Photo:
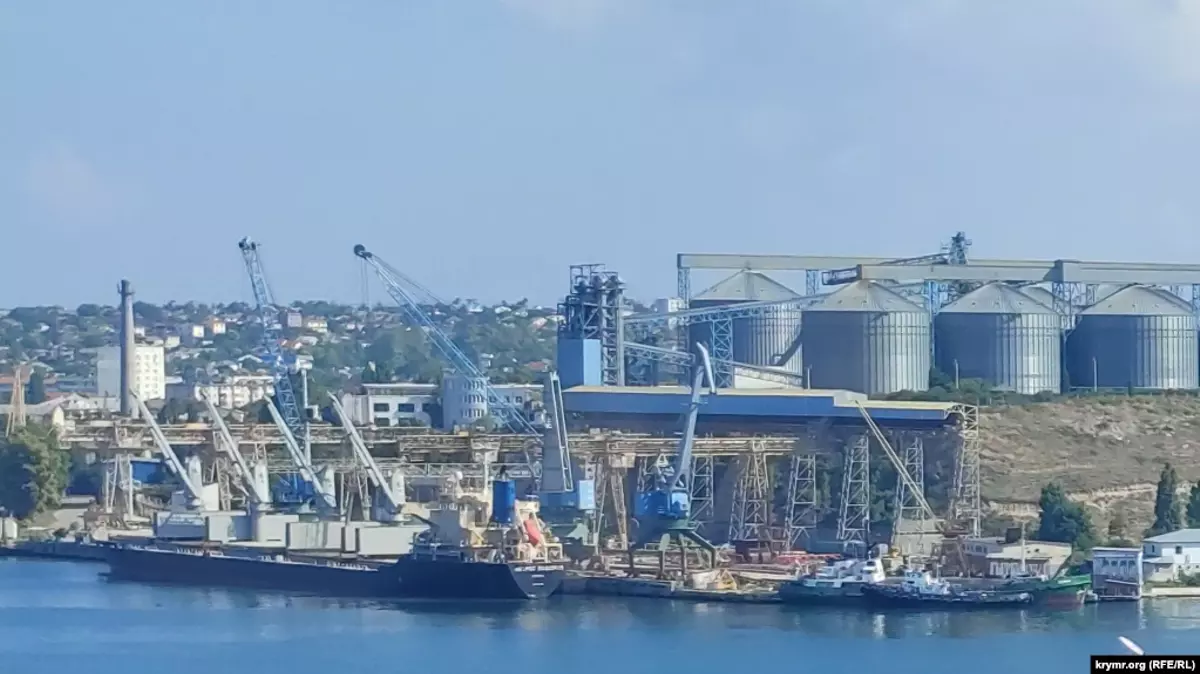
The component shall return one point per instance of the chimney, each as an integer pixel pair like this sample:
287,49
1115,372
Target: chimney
128,349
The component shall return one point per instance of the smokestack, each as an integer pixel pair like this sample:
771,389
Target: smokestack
128,349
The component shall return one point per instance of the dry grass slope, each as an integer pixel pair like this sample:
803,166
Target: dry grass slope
1108,445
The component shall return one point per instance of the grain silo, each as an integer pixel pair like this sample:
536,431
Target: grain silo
1041,294
770,339
1137,337
867,338
1003,336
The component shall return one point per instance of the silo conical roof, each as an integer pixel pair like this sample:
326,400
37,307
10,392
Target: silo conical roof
867,296
997,298
747,286
1138,300
1043,295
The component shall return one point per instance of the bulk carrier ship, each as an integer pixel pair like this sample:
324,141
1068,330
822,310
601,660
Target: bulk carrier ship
472,550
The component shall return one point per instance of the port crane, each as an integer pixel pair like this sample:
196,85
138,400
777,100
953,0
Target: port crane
193,488
325,499
664,514
258,493
391,490
268,313
404,292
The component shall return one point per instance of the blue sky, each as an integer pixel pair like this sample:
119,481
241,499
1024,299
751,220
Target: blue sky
482,146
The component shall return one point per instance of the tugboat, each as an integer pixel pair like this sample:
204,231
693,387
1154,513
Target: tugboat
838,583
920,590
508,555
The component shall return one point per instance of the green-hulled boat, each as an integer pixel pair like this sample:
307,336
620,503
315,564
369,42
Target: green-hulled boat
1056,592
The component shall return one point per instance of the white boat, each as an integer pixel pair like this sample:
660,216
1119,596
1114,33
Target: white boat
834,583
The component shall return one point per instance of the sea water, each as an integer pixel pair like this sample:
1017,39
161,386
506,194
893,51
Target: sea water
66,617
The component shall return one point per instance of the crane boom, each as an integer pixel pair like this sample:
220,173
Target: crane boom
683,457
326,501
394,282
225,439
364,455
168,452
264,299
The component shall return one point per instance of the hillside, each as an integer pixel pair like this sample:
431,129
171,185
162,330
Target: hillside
1106,451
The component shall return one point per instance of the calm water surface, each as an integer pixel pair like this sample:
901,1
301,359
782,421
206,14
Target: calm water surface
64,617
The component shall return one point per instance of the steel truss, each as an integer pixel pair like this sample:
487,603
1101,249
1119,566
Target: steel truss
854,520
752,498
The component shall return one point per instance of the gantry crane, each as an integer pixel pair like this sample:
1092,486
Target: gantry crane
258,495
391,490
664,514
268,313
193,490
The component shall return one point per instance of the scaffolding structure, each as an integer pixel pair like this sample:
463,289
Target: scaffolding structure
854,520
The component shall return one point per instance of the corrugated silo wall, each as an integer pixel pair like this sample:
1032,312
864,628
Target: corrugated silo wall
870,352
771,340
1012,352
1143,352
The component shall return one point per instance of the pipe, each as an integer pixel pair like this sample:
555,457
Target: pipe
128,350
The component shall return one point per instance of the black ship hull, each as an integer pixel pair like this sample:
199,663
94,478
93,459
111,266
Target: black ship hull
406,578
453,579
169,567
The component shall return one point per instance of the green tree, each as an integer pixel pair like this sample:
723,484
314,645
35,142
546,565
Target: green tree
1193,507
33,472
1063,520
35,390
1118,531
1167,513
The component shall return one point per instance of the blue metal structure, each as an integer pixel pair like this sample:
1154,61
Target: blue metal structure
293,488
403,290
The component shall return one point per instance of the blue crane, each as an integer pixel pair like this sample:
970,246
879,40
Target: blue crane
664,514
285,393
403,290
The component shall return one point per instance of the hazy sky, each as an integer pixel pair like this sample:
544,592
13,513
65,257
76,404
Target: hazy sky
482,146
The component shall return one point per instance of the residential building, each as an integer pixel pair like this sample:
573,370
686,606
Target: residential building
1117,573
391,404
1168,556
149,372
215,326
293,319
316,324
230,392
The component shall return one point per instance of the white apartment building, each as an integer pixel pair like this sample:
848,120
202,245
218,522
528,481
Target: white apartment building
149,372
465,399
391,404
232,392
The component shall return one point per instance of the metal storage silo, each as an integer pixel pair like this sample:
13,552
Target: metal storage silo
1003,336
1137,337
771,339
867,338
1041,294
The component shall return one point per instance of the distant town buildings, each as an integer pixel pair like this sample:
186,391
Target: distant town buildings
463,403
149,372
1169,556
391,404
229,392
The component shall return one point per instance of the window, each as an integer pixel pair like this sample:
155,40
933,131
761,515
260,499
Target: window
382,421
1179,549
406,407
381,407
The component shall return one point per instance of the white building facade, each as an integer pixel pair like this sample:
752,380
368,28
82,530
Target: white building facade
149,372
1169,556
232,392
391,404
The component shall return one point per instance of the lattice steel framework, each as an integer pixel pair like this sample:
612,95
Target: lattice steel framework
752,497
801,500
908,506
966,507
854,519
702,489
